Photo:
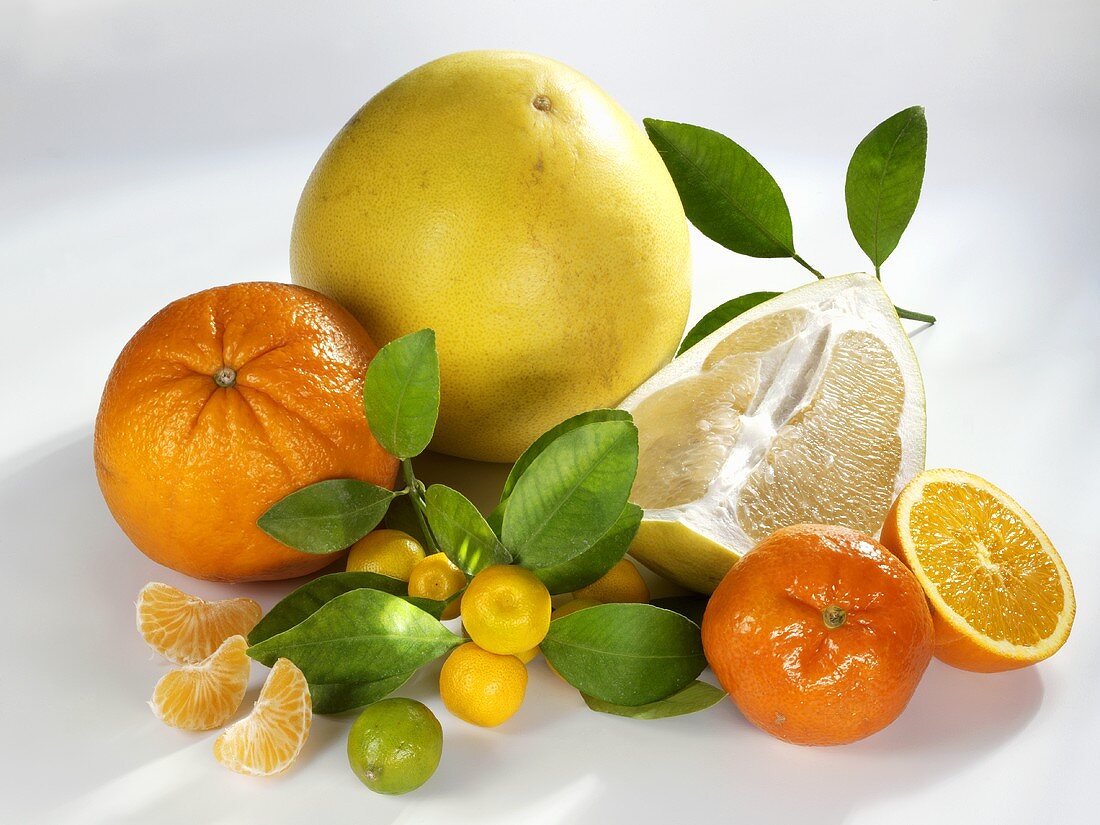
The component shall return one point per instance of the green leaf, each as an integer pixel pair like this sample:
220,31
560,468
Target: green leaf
598,559
360,636
571,494
308,599
496,518
401,393
726,193
695,697
691,607
327,516
462,532
337,697
626,654
548,437
721,315
884,182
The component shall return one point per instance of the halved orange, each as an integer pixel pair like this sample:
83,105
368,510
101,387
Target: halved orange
186,629
1001,597
270,738
204,695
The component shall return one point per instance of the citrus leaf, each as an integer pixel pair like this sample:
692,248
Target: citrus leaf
884,181
462,532
571,493
695,697
626,654
328,516
690,607
308,599
721,315
726,193
401,393
337,697
360,636
544,440
596,560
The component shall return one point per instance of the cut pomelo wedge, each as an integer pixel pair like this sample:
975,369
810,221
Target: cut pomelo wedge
1001,597
185,629
808,408
270,738
204,695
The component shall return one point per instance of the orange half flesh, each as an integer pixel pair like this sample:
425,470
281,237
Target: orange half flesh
1000,594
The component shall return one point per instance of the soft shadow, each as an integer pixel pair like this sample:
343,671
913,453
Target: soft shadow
479,481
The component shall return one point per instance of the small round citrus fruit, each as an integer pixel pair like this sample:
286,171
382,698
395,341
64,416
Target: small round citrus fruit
506,609
1000,594
481,687
481,192
436,577
386,552
222,404
395,745
819,634
622,583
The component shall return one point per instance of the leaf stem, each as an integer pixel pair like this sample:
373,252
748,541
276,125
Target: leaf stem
800,260
915,316
878,272
417,499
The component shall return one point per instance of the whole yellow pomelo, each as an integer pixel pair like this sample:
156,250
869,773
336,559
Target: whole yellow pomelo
508,203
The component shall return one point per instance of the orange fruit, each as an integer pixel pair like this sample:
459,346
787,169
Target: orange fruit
186,629
222,404
819,634
204,695
482,687
270,738
1001,597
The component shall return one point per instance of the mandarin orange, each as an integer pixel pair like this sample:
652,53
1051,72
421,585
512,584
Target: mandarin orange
819,634
222,404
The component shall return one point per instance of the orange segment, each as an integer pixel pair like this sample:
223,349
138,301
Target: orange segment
185,629
270,738
204,695
1000,594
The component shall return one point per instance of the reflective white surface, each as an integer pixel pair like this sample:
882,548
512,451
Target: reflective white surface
153,149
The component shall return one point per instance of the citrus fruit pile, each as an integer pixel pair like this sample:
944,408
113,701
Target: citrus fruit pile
521,249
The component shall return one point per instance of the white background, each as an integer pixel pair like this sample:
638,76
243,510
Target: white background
152,149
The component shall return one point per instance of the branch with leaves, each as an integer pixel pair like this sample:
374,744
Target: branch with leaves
733,200
563,514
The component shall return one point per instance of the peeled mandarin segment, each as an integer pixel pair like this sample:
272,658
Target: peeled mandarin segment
835,461
205,695
270,738
186,629
991,573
